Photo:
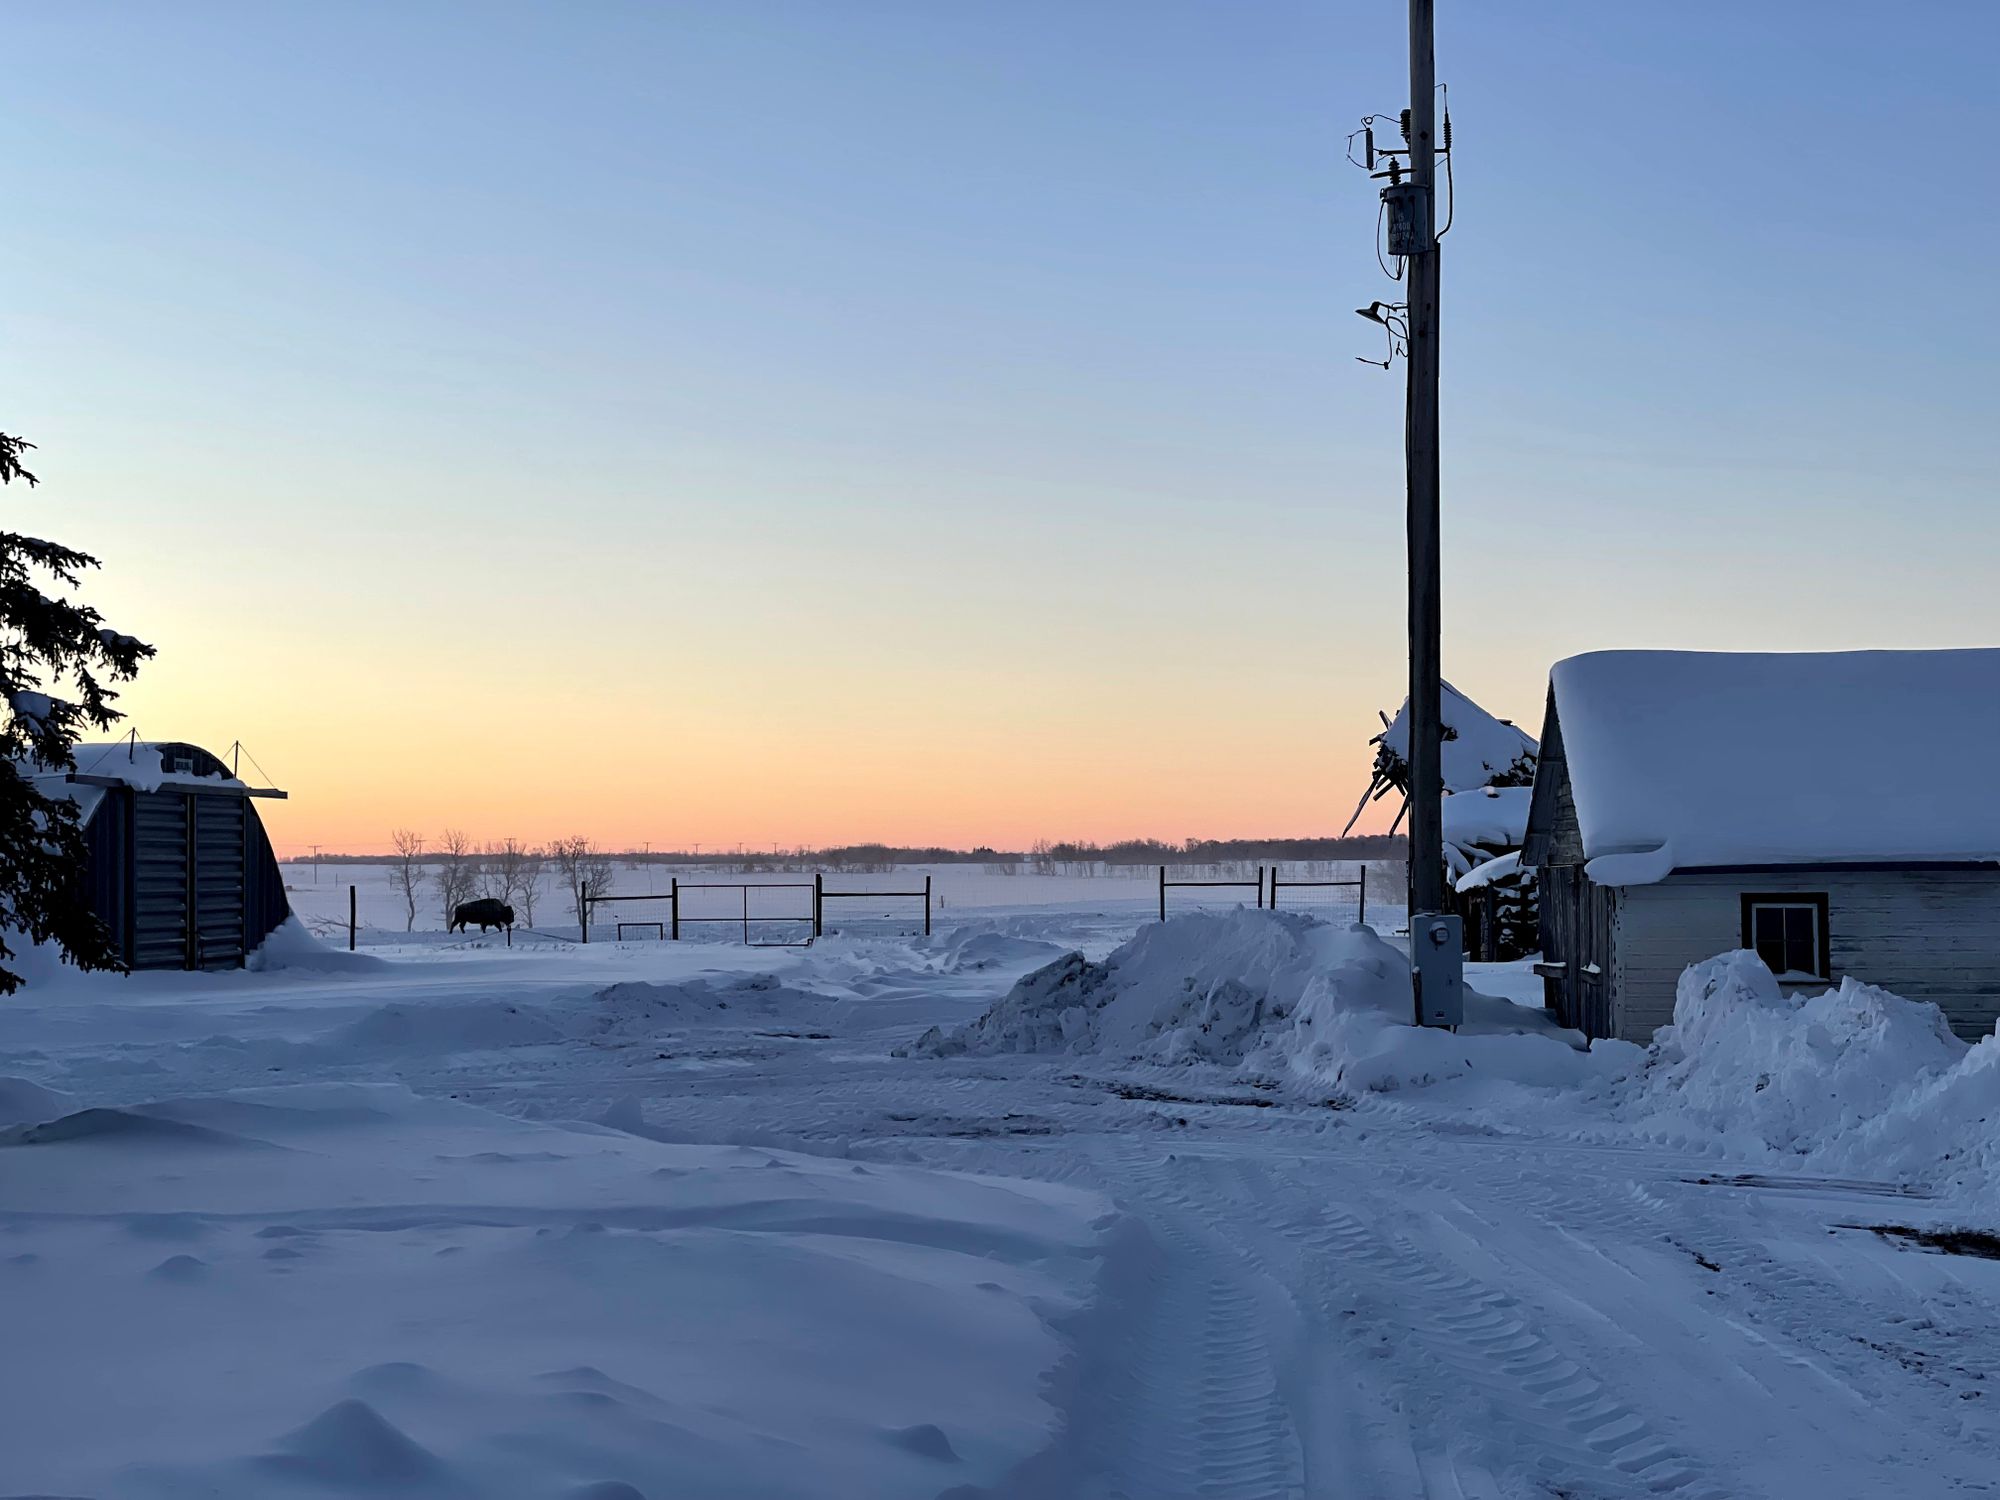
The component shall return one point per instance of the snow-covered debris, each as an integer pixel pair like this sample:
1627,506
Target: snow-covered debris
1482,823
1855,1081
1880,755
1478,748
1275,993
1501,867
1495,816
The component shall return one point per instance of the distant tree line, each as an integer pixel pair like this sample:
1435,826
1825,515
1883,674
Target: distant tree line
1044,856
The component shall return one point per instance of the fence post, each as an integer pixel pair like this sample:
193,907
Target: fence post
583,916
927,906
1274,887
819,903
1361,904
1260,887
674,896
1163,893
350,919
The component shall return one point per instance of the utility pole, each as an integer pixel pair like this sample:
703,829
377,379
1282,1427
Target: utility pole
315,850
1436,945
1420,441
1409,210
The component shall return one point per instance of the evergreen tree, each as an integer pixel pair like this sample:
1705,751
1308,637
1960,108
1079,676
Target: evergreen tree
56,659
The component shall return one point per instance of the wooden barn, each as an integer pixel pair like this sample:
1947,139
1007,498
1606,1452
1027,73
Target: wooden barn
180,868
1838,813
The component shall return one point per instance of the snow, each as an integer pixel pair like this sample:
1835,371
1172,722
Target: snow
1194,1209
1493,816
419,1297
1681,759
1325,1008
1478,748
1500,867
140,765
1853,1080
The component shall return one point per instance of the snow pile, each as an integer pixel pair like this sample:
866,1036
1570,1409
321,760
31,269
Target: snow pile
292,946
1856,1081
25,1102
1273,993
977,946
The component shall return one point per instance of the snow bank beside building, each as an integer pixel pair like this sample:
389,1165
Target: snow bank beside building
1855,1081
1273,993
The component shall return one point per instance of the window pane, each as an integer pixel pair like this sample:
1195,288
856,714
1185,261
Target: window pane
1801,949
1767,936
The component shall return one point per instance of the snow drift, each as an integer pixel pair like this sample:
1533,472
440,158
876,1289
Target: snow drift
1273,993
1855,1081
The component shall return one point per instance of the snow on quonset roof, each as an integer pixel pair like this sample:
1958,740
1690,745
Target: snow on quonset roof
1691,758
1477,747
146,765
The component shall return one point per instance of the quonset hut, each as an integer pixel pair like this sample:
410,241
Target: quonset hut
180,868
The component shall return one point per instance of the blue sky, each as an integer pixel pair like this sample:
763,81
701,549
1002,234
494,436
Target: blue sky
963,395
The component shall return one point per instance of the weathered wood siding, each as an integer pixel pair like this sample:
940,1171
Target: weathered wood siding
1927,934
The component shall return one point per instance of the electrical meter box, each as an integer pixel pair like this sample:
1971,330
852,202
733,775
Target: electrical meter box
1437,968
1408,210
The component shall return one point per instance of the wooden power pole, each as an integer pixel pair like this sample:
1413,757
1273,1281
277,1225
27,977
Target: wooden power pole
1437,957
1420,442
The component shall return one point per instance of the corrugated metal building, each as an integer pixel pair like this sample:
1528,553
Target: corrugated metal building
180,867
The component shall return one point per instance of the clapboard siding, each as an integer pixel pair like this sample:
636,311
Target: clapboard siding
1926,934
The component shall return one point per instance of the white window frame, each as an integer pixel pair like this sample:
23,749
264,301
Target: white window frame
1807,901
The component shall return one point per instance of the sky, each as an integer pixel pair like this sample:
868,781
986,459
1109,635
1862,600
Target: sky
803,421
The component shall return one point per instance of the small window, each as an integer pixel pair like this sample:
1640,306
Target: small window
1789,933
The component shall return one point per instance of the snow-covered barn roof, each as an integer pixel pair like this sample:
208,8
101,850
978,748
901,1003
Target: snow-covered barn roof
1680,759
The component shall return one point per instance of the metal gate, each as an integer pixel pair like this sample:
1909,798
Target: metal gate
188,881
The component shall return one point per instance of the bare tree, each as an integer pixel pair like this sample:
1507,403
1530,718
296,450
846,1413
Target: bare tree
500,870
585,870
528,888
408,871
458,870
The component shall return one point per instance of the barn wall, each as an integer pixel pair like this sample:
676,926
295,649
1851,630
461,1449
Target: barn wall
1926,934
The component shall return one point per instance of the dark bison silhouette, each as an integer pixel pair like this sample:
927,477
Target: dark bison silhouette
486,912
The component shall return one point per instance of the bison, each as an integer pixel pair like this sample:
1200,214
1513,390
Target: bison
486,911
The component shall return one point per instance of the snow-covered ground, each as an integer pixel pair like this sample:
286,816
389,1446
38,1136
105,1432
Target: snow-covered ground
673,1220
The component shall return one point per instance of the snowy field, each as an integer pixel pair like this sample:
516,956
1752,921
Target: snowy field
1189,1215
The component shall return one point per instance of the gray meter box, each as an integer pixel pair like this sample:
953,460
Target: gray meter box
1437,968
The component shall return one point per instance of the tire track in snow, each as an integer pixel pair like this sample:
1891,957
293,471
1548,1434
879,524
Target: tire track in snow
1547,1424
1176,1396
